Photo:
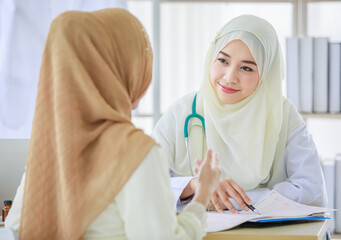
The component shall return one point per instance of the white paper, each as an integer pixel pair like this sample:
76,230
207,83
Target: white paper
273,205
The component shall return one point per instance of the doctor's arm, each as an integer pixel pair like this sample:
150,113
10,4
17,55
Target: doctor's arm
304,181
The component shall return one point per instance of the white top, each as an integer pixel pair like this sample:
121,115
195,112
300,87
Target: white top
143,209
302,179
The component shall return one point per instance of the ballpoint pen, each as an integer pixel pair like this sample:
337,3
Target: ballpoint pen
252,208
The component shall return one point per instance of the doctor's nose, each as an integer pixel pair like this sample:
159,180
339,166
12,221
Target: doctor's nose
230,76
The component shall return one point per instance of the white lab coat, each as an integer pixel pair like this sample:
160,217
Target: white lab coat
301,177
143,209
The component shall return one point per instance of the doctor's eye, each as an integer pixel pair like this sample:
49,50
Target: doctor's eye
222,60
247,69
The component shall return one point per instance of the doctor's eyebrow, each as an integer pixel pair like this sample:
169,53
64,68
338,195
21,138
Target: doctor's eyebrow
244,61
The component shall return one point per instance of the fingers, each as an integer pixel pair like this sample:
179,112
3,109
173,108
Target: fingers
208,158
216,162
235,195
216,203
226,201
228,186
210,206
224,190
207,161
198,161
241,192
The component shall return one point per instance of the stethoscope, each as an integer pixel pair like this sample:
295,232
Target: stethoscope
192,115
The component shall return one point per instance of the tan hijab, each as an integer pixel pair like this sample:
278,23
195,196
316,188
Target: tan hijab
83,147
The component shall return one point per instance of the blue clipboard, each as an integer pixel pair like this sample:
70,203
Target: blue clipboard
307,218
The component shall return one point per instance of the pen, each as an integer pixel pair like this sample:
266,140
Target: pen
252,208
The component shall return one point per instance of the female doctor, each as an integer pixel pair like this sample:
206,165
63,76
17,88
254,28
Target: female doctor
240,112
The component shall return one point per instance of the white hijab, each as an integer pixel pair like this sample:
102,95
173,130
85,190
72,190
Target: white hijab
246,133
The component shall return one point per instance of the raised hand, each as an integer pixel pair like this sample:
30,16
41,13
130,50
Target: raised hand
208,178
227,189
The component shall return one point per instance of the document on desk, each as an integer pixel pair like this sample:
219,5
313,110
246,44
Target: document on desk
274,205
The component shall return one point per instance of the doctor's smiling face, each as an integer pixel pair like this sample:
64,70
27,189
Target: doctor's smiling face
234,73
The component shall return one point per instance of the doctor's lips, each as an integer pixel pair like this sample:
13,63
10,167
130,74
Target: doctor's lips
227,89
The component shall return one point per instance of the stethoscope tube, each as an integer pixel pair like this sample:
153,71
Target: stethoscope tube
192,115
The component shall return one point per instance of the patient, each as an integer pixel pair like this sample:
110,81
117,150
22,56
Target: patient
90,173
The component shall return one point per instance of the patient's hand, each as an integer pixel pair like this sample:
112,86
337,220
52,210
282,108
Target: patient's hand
208,178
227,189
189,190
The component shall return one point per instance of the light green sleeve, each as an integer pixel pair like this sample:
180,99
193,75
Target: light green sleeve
146,204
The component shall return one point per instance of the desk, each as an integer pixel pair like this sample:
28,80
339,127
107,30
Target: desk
302,231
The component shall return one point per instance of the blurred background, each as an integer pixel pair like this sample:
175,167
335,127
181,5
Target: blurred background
180,31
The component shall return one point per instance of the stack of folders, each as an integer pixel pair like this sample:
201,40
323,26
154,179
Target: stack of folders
273,208
332,174
314,74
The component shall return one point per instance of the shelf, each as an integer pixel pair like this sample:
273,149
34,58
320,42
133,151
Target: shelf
142,115
304,115
321,115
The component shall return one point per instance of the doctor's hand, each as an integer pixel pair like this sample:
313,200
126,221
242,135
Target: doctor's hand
208,178
229,189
